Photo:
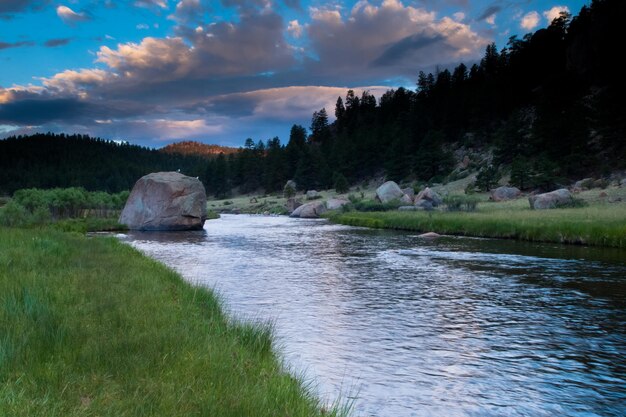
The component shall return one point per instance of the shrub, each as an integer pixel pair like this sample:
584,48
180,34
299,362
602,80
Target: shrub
460,203
487,178
372,205
14,214
340,183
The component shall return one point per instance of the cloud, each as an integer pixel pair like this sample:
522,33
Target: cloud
295,29
406,39
53,43
188,11
16,6
530,20
489,12
70,17
555,12
142,26
151,3
7,45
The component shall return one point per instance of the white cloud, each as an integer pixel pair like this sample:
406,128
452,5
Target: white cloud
530,20
555,12
69,16
491,19
295,29
459,16
142,26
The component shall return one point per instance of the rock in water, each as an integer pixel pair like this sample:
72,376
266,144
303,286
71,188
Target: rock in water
504,193
165,201
550,200
389,191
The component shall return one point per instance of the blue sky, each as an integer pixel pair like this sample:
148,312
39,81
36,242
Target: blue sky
159,71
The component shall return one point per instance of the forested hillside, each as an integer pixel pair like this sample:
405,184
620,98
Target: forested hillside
549,107
48,161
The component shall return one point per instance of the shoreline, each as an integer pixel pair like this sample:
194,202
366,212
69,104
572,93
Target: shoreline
93,326
563,226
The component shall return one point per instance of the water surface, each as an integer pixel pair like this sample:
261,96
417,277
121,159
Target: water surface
413,327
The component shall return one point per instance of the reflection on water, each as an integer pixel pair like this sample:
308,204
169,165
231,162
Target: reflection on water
452,327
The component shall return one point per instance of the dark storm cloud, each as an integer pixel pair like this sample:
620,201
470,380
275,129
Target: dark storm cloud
7,45
53,43
407,47
16,6
489,11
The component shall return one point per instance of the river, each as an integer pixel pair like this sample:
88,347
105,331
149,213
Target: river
404,326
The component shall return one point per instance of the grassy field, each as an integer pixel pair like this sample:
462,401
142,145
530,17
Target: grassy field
599,223
90,327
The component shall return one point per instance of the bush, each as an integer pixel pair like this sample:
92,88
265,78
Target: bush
371,205
487,178
14,215
460,203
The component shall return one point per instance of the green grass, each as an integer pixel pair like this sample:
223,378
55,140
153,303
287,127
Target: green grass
90,327
601,225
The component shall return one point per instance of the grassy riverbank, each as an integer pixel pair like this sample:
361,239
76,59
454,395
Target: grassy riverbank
595,225
90,327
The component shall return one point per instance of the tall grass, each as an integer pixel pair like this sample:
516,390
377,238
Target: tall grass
597,225
90,327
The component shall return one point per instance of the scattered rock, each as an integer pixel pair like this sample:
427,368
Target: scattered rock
289,190
583,184
603,194
311,210
429,235
293,204
409,191
424,205
253,200
312,195
165,201
622,182
504,193
465,162
409,208
430,196
389,191
615,199
550,200
406,199
336,203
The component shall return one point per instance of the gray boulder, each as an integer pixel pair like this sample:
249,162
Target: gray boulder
311,210
408,208
550,200
336,203
584,184
424,205
409,191
504,193
389,191
292,204
429,235
312,195
165,201
430,196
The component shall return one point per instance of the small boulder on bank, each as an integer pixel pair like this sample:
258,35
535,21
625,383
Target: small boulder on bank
429,235
389,191
165,201
311,210
504,193
550,200
336,203
292,204
428,195
409,191
312,195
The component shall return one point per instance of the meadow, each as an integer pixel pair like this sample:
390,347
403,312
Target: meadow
91,327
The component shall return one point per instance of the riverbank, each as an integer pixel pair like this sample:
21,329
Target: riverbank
92,327
598,225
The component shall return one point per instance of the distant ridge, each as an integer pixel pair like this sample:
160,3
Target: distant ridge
192,148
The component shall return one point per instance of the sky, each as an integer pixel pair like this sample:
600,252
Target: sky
153,72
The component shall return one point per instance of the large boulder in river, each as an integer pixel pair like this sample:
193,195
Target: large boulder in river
165,201
550,200
311,210
504,193
389,191
429,195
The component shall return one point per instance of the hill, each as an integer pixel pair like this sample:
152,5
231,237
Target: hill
192,148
